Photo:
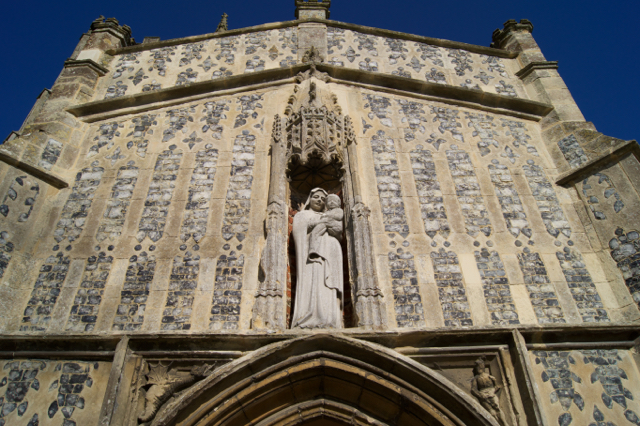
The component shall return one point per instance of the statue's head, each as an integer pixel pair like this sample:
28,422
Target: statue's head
479,368
316,200
333,202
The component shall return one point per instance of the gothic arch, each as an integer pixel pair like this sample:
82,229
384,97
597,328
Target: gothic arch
337,379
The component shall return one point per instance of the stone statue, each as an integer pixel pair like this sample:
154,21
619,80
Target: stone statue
319,285
485,387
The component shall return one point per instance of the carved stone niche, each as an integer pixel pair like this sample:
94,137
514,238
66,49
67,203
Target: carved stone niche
316,149
161,384
460,369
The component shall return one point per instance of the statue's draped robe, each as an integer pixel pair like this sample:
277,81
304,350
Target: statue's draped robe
319,284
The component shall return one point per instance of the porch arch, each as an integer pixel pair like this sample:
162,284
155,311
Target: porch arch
336,378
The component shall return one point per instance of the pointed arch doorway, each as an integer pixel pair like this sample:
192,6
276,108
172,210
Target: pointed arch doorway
324,380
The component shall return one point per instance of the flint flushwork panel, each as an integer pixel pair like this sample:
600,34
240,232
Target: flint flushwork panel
43,392
86,304
182,285
581,285
430,196
475,213
53,272
194,222
541,291
404,280
495,285
451,289
589,386
227,293
135,292
625,251
156,206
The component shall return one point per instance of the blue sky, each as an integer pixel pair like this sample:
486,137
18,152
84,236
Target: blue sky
596,43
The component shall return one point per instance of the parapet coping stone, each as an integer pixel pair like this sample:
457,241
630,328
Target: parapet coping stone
330,23
461,96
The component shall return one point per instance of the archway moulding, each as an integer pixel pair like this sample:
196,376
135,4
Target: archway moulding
334,377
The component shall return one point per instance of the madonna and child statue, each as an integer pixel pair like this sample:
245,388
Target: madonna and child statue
317,232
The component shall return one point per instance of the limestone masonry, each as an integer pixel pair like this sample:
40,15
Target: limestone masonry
148,276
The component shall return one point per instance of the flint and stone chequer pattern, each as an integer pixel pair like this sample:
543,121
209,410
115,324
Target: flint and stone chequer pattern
451,289
430,197
552,215
21,381
86,304
483,125
518,131
625,251
194,222
141,128
182,285
495,285
510,203
406,293
475,213
227,293
379,107
607,372
134,294
447,119
541,291
6,248
156,206
603,182
572,151
581,285
37,392
53,272
557,369
413,115
106,133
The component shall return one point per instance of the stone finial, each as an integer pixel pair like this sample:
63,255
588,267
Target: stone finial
499,36
112,26
223,26
312,9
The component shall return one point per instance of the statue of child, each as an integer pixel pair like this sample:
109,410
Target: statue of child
331,221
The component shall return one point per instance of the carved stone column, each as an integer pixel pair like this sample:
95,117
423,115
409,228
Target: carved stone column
268,311
369,305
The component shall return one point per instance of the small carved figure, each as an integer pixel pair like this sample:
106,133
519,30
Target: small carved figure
331,222
163,383
485,387
312,55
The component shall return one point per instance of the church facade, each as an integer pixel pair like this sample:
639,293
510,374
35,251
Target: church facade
315,222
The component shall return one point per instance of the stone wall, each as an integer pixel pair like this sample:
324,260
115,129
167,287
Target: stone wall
50,392
587,387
